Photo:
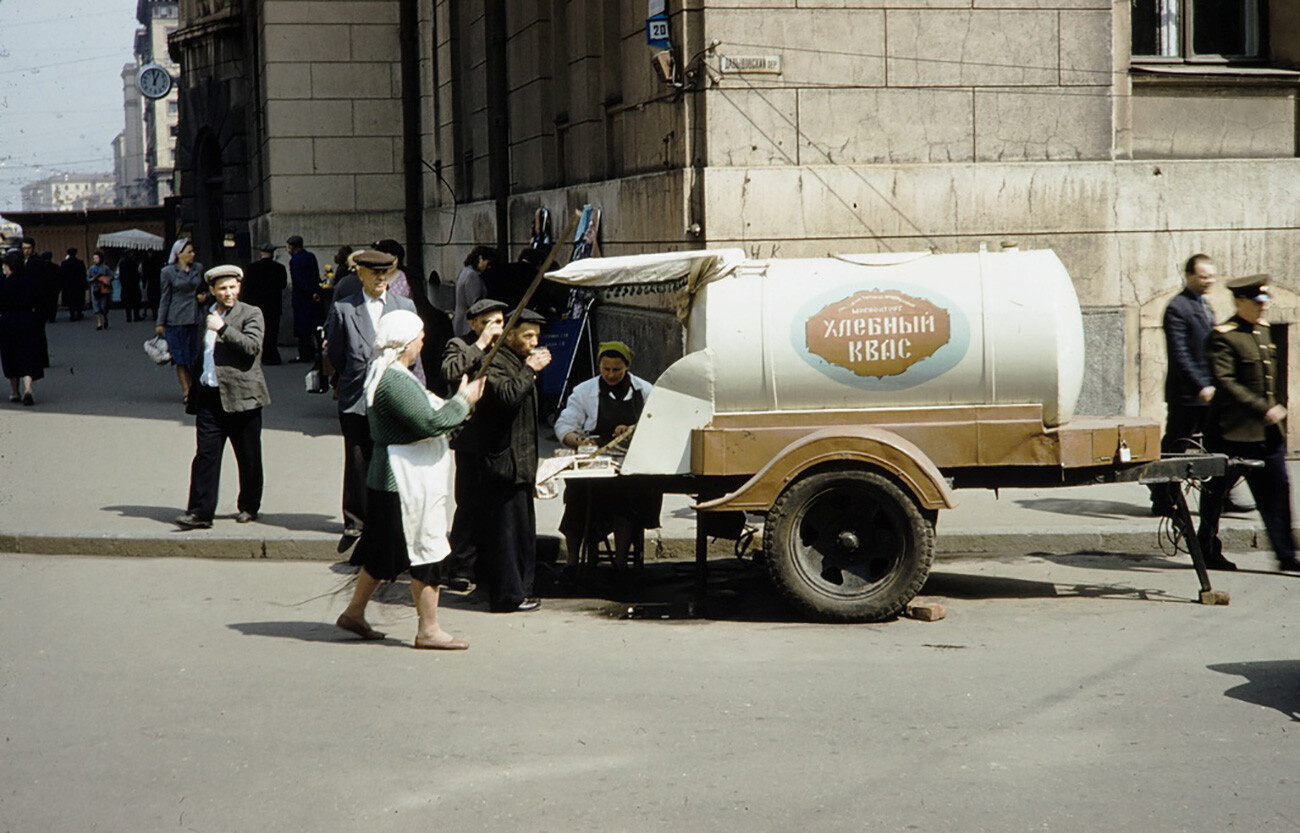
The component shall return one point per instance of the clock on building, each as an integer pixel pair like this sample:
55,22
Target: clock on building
154,81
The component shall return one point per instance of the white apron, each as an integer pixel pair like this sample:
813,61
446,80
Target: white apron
423,471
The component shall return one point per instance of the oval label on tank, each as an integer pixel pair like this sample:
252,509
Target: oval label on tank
878,333
881,339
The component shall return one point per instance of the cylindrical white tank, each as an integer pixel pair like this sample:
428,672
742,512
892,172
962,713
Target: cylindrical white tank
897,330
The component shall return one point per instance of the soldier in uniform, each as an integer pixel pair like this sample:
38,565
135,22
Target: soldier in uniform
1246,420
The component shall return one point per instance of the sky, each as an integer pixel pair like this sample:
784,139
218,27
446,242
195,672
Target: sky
60,87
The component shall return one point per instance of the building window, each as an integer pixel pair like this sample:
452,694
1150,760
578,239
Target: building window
1192,30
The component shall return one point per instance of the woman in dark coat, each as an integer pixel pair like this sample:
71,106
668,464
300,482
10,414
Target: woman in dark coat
128,277
21,329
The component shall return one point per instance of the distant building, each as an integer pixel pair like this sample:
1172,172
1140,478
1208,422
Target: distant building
70,192
144,152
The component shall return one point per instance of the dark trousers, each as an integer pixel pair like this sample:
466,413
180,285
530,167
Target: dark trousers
507,542
213,426
465,524
357,447
1183,425
1270,486
271,337
306,349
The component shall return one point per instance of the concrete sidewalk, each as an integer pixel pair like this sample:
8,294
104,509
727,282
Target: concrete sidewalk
101,465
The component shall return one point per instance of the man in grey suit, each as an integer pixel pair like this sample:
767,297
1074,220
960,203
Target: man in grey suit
349,341
227,402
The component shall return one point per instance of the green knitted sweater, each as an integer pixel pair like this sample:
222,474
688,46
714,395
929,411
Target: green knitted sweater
402,414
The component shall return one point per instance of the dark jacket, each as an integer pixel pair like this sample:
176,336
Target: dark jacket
1186,330
73,270
1243,361
263,285
238,358
461,357
350,339
503,428
308,312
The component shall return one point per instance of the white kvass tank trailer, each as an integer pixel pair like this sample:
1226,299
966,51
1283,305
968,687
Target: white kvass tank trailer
845,397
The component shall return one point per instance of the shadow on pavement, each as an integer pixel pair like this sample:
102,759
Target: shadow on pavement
299,521
959,586
1088,508
1274,684
161,514
305,632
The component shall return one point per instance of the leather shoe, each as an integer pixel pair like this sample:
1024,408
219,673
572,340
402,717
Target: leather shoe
245,517
1219,563
527,604
192,521
1289,565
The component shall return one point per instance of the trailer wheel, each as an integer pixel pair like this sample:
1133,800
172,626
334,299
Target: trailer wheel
848,546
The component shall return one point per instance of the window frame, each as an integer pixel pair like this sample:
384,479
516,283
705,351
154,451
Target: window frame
1186,25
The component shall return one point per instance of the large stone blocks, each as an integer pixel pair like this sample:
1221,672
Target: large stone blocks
1212,126
752,127
352,80
989,48
308,118
303,42
854,126
812,45
356,155
330,11
1048,124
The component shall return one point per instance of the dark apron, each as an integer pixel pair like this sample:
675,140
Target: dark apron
612,412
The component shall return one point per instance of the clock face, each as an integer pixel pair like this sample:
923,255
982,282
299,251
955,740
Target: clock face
154,81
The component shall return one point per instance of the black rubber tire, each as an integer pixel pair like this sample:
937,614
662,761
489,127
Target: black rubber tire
848,545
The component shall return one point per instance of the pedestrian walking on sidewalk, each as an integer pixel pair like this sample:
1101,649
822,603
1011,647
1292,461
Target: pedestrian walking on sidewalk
181,291
227,402
349,342
100,278
21,329
73,271
407,487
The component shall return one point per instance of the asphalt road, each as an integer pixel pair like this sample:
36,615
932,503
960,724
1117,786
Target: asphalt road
1068,693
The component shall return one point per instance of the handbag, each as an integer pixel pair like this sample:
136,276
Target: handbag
156,348
315,381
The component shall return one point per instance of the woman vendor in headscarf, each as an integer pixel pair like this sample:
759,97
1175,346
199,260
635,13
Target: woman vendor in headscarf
408,508
601,409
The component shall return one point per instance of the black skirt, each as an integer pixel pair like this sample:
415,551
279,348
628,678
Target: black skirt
627,497
382,548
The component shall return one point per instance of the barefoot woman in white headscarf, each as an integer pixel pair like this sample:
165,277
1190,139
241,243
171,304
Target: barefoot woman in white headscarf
408,508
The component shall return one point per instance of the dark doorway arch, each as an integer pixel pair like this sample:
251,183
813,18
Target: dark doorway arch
209,192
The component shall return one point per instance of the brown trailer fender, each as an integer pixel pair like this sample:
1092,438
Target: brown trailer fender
861,445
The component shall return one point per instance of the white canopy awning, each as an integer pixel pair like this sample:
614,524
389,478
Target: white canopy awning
130,239
704,264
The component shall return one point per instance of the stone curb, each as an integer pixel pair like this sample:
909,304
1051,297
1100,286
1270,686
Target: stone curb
953,544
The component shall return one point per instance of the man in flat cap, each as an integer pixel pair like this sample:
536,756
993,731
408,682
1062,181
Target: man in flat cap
500,440
463,356
1246,420
264,283
349,341
308,304
227,402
